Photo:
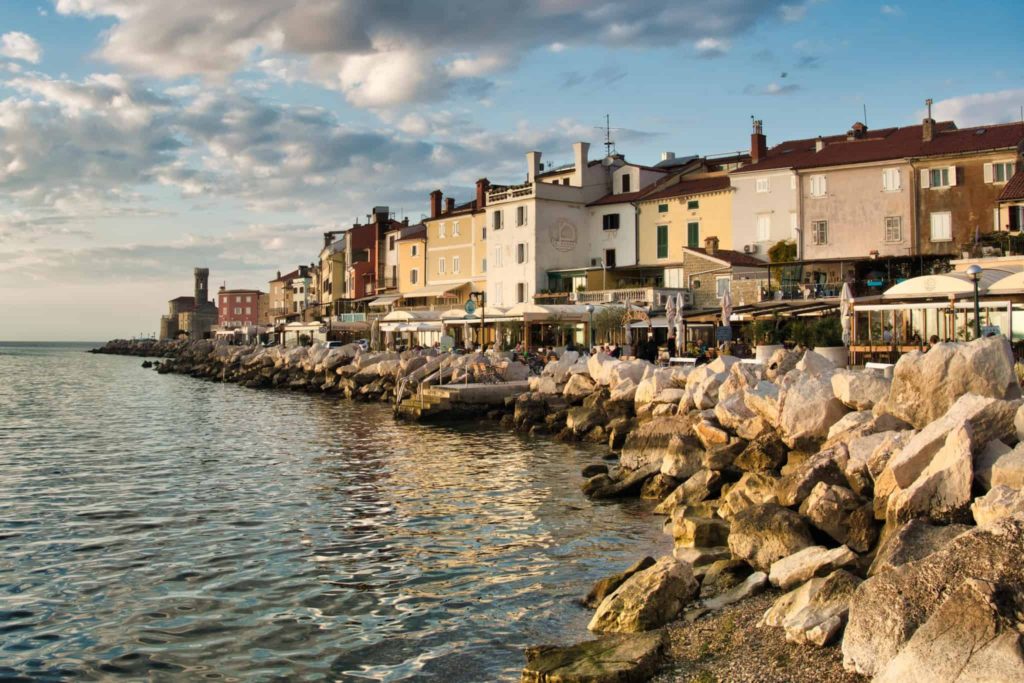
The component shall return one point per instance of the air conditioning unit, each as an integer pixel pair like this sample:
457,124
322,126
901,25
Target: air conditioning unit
594,262
749,248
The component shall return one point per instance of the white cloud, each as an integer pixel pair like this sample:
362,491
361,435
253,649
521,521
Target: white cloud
793,13
17,45
711,47
979,109
385,54
892,10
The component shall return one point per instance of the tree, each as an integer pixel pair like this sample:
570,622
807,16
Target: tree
783,251
607,321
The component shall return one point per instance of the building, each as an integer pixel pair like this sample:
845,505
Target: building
412,258
368,269
332,274
1011,199
456,249
191,316
280,296
710,272
242,308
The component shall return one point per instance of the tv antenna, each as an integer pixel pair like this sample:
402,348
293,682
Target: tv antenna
609,144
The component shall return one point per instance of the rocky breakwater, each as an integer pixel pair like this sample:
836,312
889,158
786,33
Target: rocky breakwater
886,515
347,370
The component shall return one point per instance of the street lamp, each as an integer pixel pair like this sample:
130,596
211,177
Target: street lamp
974,273
589,308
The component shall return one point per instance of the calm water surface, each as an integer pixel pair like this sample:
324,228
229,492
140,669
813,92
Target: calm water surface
162,527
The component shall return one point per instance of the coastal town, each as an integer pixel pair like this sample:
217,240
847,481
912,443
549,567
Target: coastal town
802,357
607,251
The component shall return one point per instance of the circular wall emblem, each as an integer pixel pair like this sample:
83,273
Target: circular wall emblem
563,235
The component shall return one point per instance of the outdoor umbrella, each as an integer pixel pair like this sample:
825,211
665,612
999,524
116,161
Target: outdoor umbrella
726,307
846,311
670,312
680,323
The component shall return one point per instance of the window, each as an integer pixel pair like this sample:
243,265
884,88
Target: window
455,229
441,230
238,311
520,292
391,243
819,232
238,299
440,265
625,183
938,177
999,172
764,227
662,208
891,180
520,215
496,220
521,252
497,256
610,221
693,205
483,233
609,258
763,185
1016,217
818,186
662,241
995,219
893,228
565,181
722,285
942,227
483,266
415,250
248,299
693,235
414,276
248,310
794,229
456,264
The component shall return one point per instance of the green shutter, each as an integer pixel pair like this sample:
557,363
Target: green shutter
662,241
693,235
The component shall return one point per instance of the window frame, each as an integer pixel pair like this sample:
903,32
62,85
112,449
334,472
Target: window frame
765,218
818,185
609,263
441,265
522,253
521,292
662,208
888,175
693,243
606,220
889,227
455,229
819,229
521,216
497,223
763,185
442,231
626,183
661,244
456,264
414,276
949,226
719,279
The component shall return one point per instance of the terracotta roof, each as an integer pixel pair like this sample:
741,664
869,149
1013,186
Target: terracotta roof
1015,187
415,232
184,298
287,276
618,198
687,187
733,258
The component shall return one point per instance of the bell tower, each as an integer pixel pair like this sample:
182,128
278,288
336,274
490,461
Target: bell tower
202,286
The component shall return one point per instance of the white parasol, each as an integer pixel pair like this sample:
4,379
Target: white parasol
670,312
846,311
680,332
726,307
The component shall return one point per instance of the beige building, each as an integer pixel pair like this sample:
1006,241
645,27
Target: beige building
412,259
455,251
331,275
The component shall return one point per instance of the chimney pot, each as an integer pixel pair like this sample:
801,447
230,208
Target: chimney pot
449,204
665,156
928,125
435,203
711,245
758,143
819,144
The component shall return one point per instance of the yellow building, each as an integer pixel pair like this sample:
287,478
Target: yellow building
331,285
412,259
683,214
456,250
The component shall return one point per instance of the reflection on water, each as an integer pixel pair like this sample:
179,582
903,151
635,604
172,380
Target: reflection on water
166,527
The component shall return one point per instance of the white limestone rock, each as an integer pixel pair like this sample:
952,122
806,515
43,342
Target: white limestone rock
809,410
859,390
997,504
944,488
647,600
809,563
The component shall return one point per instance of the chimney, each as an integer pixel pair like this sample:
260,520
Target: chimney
327,241
481,192
858,131
449,204
279,275
579,158
665,156
758,143
711,245
928,125
435,203
532,166
405,220
819,144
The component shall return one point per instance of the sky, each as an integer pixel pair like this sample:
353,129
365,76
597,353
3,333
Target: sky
141,138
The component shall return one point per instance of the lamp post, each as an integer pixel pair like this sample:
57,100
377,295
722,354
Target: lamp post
974,273
589,308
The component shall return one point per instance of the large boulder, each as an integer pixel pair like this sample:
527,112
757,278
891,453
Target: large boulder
683,458
808,563
780,363
606,586
998,503
815,364
972,636
763,398
733,414
815,612
582,419
614,658
889,607
545,384
984,460
841,514
925,385
705,394
578,387
764,453
809,409
628,370
1008,469
651,441
943,490
764,534
859,390
710,433
624,391
653,383
599,366
691,531
826,466
911,542
697,488
558,370
647,600
753,488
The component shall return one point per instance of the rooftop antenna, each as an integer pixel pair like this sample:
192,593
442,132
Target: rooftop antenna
609,144
865,114
928,103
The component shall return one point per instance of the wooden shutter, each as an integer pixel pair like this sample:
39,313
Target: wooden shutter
925,178
952,176
988,173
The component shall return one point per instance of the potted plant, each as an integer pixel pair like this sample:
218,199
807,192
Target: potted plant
827,337
766,338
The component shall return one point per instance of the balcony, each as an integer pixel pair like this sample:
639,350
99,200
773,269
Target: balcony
509,192
652,296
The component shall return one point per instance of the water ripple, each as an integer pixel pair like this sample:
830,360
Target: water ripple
155,526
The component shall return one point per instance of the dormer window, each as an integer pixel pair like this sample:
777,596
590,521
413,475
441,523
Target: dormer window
625,183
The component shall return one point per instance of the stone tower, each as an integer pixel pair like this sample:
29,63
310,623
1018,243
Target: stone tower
202,289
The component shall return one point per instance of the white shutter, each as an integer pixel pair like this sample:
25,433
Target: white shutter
988,173
824,186
952,176
885,180
925,178
995,219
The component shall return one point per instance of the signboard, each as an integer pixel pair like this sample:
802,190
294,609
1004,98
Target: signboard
723,333
447,343
987,330
470,307
875,283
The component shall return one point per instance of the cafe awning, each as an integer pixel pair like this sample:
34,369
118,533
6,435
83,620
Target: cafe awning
434,290
386,300
944,285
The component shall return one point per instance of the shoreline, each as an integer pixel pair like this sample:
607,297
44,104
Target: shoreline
795,477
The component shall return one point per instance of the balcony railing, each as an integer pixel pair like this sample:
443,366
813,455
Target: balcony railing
653,296
510,192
